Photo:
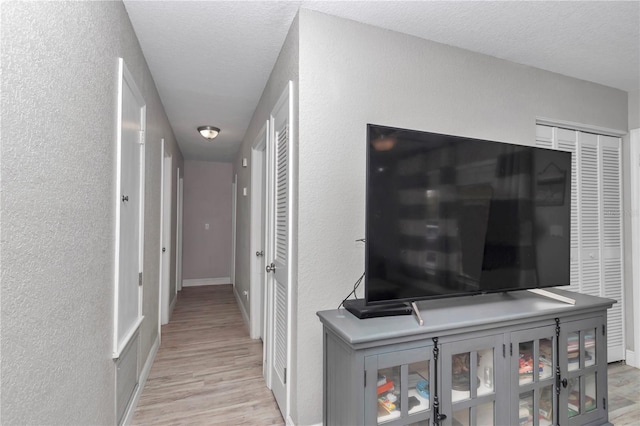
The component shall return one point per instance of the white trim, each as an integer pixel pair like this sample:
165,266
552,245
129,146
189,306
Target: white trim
196,282
179,226
293,230
258,175
289,422
161,236
634,142
144,375
572,125
234,210
243,311
631,359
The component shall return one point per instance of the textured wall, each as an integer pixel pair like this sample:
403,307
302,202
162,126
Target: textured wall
284,70
207,199
59,75
353,74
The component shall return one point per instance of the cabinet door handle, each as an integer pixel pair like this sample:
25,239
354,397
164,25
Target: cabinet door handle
564,383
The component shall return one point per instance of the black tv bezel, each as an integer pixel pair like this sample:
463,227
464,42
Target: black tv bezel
449,295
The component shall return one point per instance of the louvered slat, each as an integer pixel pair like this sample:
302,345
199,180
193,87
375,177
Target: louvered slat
280,358
282,201
589,197
611,197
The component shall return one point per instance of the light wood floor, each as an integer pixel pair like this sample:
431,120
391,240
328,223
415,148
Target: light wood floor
624,394
207,371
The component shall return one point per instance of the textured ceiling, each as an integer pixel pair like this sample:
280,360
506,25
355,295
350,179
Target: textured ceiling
211,60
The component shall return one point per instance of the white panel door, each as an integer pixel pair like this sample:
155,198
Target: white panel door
280,180
129,211
596,221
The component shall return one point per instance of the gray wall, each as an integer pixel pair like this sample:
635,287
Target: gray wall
59,75
353,74
284,70
207,200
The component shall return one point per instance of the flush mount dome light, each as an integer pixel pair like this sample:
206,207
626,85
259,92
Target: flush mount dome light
208,132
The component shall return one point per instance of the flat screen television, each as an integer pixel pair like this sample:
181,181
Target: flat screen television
452,216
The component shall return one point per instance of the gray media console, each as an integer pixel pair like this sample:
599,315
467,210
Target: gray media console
513,358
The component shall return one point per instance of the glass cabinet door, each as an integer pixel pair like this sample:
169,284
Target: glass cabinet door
471,376
398,387
532,372
581,366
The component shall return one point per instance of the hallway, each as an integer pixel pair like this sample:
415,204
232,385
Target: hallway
208,370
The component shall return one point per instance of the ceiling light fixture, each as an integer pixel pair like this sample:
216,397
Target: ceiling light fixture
208,132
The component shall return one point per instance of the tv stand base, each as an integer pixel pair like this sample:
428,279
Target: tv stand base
362,311
551,295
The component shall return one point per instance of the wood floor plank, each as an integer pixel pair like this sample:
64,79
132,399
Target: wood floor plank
207,371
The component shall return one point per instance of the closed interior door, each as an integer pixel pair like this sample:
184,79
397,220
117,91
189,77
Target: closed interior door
129,211
280,235
166,241
263,213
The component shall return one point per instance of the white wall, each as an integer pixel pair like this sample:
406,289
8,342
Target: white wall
59,85
353,74
284,70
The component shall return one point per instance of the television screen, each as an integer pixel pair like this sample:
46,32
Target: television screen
451,216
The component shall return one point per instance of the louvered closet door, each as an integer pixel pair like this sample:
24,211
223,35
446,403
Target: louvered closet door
596,223
280,123
611,223
589,189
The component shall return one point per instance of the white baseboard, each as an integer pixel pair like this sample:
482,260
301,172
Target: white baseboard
289,422
243,311
195,282
144,375
632,360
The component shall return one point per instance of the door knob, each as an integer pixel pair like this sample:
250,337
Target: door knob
564,383
271,268
164,249
125,198
260,253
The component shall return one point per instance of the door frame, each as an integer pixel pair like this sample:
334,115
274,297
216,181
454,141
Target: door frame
633,358
164,286
258,232
234,231
179,219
